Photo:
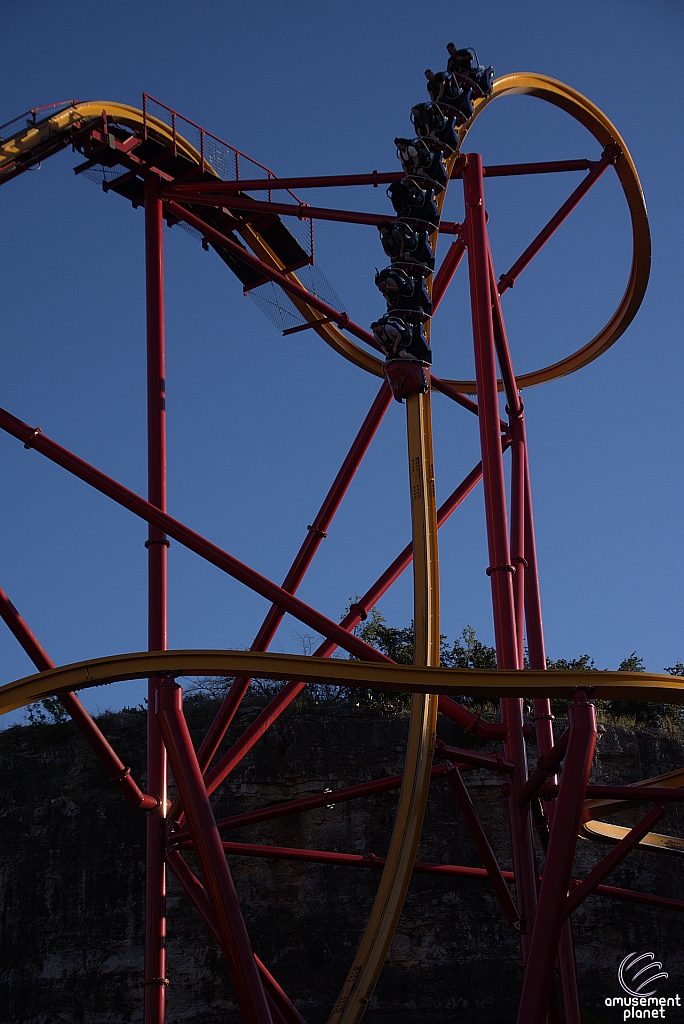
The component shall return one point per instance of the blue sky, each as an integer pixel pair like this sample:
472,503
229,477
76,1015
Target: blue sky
258,424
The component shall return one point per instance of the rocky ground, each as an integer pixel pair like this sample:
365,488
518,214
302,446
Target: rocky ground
72,873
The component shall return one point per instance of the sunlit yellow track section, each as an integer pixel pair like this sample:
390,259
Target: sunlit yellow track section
605,832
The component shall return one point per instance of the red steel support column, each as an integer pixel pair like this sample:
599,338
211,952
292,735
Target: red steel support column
472,820
517,430
500,569
207,844
543,721
155,877
538,981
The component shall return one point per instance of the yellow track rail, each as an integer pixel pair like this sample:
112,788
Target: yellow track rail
408,824
396,875
605,832
482,683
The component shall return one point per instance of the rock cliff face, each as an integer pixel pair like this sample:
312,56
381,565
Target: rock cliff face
72,874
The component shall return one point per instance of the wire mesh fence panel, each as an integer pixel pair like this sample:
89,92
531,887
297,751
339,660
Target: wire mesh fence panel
279,307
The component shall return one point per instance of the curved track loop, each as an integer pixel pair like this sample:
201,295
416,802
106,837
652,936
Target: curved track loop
596,122
539,86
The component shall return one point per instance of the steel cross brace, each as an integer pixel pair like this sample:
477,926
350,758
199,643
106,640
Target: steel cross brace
546,931
230,925
118,773
281,1007
375,178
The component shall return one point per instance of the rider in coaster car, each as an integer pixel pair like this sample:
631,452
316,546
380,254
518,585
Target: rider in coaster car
419,161
405,292
464,64
404,245
434,126
401,340
445,91
436,84
413,203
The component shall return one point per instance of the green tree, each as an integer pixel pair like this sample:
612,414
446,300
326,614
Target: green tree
47,712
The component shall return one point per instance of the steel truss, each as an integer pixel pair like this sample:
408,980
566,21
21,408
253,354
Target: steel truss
539,908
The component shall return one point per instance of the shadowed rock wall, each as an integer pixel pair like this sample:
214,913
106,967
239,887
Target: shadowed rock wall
72,873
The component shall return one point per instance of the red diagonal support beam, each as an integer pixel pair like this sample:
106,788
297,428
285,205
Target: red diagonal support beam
546,766
309,803
116,769
287,694
279,1003
448,268
492,762
508,279
317,531
492,866
334,315
452,870
230,925
33,438
616,855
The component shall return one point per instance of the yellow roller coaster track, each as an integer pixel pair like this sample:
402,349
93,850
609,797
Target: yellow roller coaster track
481,683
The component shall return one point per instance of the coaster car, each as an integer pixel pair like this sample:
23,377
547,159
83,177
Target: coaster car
421,162
399,338
457,99
407,377
414,203
407,247
404,292
465,67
